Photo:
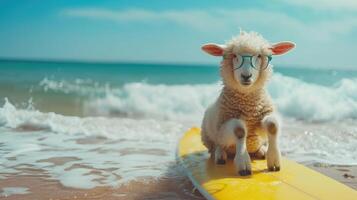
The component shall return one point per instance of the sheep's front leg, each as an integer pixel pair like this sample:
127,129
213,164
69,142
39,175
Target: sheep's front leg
220,156
271,125
234,132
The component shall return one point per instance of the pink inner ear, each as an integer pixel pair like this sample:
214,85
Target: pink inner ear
282,48
213,49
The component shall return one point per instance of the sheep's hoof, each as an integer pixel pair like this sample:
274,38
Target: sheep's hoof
274,169
221,161
245,172
220,156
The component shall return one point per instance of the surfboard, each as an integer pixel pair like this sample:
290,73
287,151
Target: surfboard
293,182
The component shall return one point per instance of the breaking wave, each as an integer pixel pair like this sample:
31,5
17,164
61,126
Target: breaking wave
294,98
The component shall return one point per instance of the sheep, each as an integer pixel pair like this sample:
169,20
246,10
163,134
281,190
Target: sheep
243,119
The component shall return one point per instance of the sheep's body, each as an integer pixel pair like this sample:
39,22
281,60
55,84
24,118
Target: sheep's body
242,119
251,108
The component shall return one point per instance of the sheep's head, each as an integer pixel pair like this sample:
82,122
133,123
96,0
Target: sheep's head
246,60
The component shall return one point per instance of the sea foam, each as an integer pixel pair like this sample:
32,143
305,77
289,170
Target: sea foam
305,101
8,191
293,98
101,151
139,124
86,152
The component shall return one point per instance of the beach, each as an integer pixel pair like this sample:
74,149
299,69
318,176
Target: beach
178,187
109,131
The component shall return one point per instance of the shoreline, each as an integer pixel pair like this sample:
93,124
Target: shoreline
344,174
41,186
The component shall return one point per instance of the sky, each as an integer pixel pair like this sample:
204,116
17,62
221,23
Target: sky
173,31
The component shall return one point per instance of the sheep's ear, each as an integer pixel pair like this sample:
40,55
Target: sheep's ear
282,47
213,49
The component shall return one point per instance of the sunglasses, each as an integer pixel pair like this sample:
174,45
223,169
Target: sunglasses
256,61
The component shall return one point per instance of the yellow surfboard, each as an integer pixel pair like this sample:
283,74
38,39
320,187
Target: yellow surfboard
293,182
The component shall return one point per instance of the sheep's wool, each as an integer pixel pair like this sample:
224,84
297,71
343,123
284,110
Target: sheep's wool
250,104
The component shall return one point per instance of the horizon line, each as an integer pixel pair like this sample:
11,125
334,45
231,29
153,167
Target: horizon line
109,62
113,62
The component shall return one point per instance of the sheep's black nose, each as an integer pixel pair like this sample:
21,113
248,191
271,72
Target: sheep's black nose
246,77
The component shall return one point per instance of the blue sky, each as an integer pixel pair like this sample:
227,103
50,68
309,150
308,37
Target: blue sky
172,31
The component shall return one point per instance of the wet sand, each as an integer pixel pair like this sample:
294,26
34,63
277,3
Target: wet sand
41,187
344,174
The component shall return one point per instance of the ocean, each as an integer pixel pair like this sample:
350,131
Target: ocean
88,125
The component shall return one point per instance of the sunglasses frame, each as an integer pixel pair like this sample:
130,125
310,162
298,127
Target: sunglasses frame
251,60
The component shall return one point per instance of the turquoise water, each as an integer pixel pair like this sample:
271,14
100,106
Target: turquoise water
121,73
71,87
115,74
115,123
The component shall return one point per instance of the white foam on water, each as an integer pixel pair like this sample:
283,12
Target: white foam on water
311,102
85,152
174,102
327,142
78,86
99,151
293,97
8,191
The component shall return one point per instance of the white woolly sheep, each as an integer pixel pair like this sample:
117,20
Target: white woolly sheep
243,118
